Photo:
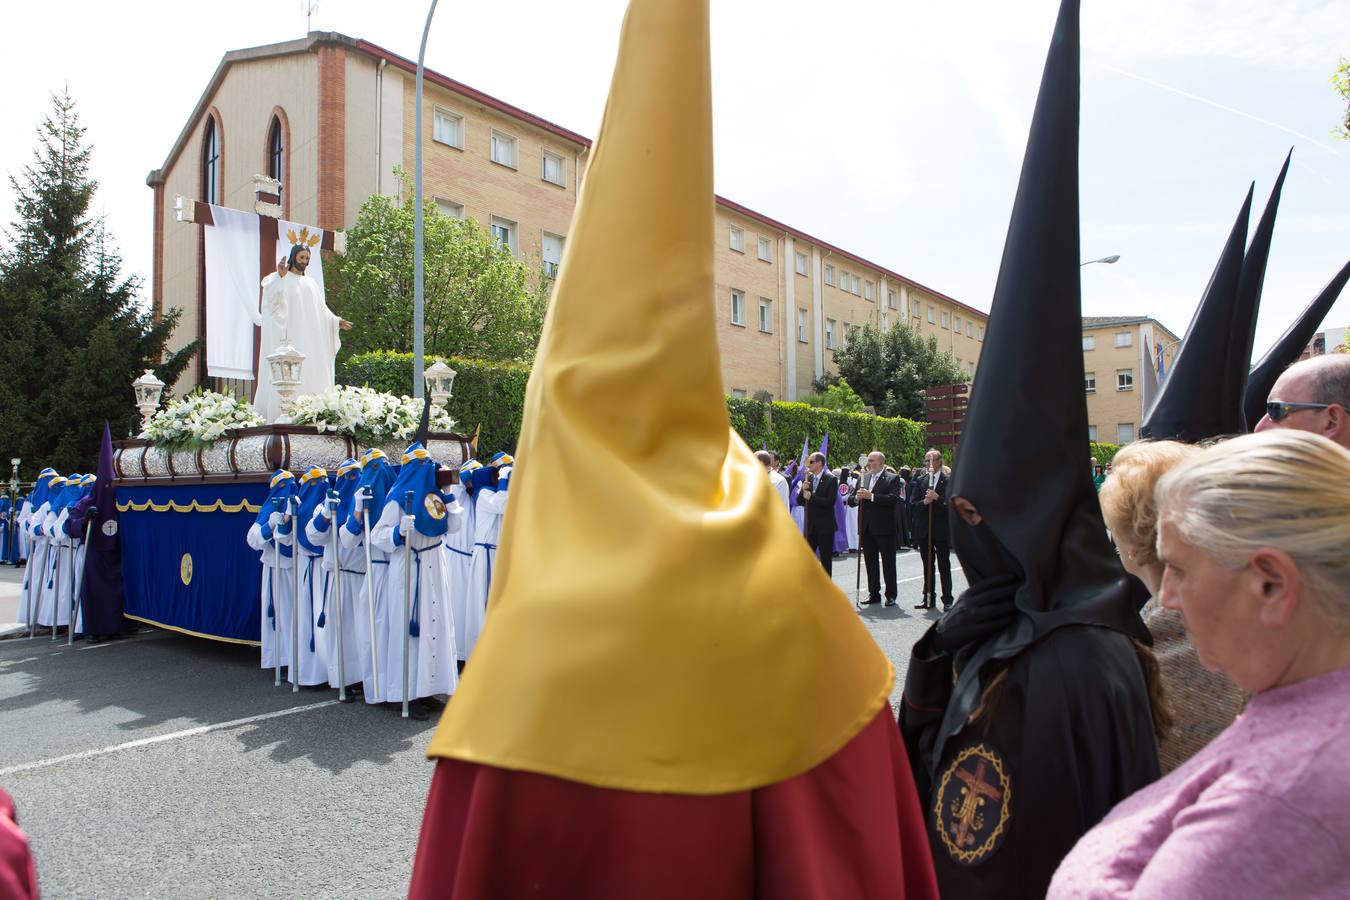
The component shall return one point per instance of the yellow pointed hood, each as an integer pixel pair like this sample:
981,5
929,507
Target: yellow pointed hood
656,621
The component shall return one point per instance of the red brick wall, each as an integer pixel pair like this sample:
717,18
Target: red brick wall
332,135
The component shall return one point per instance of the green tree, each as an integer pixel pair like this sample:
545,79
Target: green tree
838,396
480,301
890,371
72,333
1340,80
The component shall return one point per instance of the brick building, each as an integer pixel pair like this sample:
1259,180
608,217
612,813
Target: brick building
332,116
1116,349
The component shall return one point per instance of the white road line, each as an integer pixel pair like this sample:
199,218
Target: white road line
162,738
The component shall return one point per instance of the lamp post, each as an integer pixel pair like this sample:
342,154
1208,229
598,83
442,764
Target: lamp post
148,389
1105,260
440,380
417,214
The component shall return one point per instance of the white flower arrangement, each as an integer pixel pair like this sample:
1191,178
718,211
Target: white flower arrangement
366,414
198,420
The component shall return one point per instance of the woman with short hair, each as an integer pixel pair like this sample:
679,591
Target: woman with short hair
1253,536
1199,703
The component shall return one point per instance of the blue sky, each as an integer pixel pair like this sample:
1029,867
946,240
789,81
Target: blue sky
894,129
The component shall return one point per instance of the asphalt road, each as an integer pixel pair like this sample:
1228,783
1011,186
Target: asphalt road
167,766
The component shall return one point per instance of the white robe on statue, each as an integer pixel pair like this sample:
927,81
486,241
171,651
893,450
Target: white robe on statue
276,600
293,309
379,577
487,526
431,655
350,566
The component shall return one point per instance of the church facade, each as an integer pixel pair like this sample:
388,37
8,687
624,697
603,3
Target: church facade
332,117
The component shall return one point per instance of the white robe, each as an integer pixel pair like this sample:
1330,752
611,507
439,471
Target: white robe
350,565
458,560
54,600
75,550
851,518
311,667
487,527
293,310
379,580
39,564
276,595
432,654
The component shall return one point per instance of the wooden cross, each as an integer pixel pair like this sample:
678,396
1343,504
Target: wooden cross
267,205
976,791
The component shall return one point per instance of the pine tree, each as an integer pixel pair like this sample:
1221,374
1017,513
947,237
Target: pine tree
73,334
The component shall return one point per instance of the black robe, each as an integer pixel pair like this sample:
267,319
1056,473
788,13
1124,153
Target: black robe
1068,735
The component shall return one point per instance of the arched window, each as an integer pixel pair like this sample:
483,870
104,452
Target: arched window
275,150
211,163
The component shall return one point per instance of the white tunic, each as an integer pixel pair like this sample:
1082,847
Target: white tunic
458,560
310,667
54,601
379,577
488,508
76,550
431,655
39,565
276,600
345,566
294,311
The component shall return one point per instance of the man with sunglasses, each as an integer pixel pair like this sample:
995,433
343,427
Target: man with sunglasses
1313,395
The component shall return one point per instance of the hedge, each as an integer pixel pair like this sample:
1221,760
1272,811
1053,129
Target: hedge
1103,453
493,394
486,393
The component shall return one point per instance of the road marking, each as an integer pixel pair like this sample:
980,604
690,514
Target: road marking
162,738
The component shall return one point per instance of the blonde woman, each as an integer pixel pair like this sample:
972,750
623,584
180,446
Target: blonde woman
1253,537
1200,703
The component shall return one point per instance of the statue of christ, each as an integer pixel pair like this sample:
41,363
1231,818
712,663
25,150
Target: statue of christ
293,310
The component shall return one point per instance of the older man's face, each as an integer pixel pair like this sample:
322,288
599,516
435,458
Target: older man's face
934,461
875,462
1296,387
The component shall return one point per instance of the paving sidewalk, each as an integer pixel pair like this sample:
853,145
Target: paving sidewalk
11,579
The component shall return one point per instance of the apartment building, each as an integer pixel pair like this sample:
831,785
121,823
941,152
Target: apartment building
1116,351
332,116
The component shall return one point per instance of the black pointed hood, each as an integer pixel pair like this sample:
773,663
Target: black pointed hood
1198,401
1290,345
1048,530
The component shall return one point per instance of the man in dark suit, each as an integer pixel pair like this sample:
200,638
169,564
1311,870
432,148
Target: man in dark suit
931,532
876,497
818,492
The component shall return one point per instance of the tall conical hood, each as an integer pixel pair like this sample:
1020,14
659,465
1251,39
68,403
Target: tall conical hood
1201,397
1290,345
650,587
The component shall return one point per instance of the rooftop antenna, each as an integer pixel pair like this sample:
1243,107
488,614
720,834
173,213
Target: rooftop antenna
309,6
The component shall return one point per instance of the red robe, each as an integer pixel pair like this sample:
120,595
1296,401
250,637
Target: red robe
851,827
18,875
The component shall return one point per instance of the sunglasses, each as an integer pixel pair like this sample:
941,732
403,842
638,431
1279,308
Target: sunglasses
1278,409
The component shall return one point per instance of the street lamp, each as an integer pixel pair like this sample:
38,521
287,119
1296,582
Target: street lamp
418,328
1106,260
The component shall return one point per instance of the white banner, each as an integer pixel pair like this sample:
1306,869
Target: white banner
231,292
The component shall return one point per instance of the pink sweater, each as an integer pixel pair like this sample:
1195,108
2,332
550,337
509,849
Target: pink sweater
1263,811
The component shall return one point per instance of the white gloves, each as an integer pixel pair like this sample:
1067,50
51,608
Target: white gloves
405,525
274,520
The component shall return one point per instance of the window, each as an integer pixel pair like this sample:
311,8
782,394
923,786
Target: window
1092,433
891,300
850,334
829,275
867,290
946,321
1124,432
854,285
801,263
980,333
554,169
1090,382
766,315
970,368
932,315
737,307
829,334
1124,339
766,249
956,323
503,149
1089,342
211,162
970,329
1125,379
553,251
504,233
449,129
453,210
914,308
275,151
738,393
801,325
737,239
